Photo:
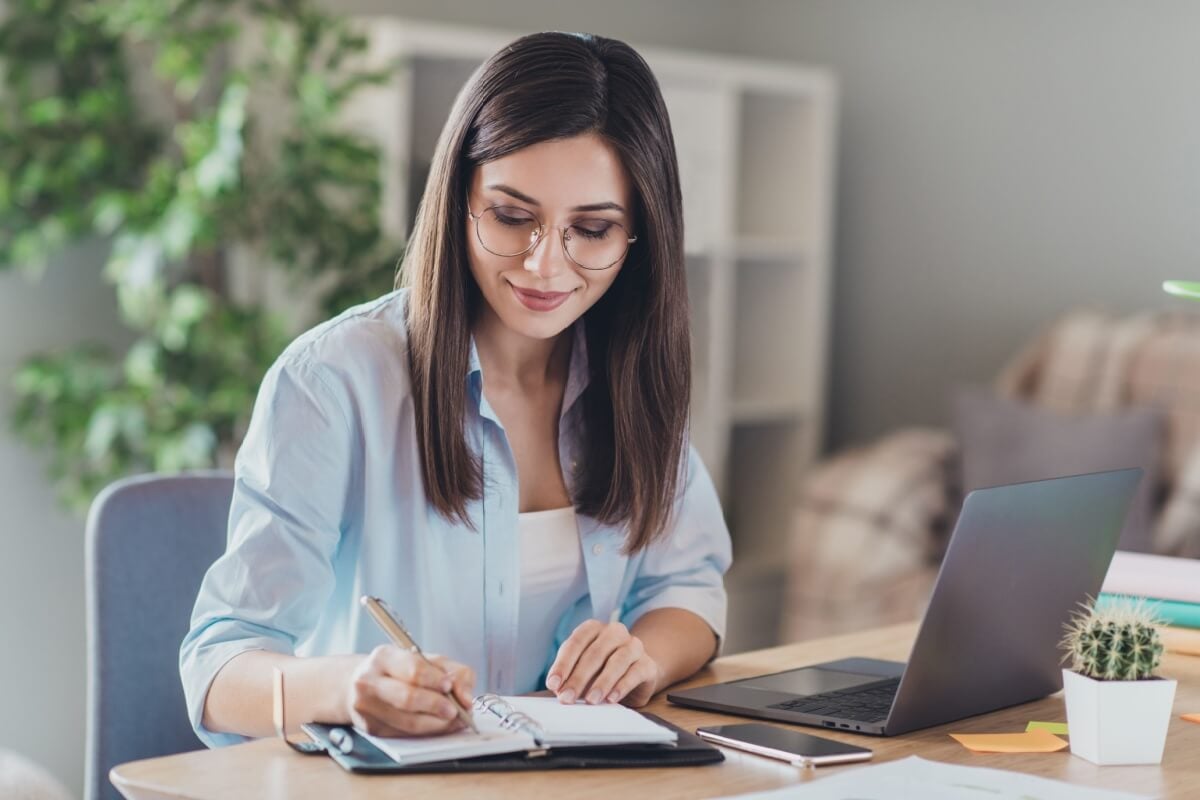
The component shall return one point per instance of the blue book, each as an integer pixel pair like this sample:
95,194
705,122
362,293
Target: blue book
1172,612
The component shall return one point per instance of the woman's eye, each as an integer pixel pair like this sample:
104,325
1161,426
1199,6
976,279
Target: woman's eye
508,215
593,230
516,221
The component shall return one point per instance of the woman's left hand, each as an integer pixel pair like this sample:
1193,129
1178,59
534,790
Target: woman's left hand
603,663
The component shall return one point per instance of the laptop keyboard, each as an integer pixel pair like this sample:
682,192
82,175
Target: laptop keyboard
869,703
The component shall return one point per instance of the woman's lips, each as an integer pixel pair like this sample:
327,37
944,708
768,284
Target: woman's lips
540,301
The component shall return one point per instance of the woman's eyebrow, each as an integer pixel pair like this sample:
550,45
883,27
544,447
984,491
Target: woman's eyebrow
524,198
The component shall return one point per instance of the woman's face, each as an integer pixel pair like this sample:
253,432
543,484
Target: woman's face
565,182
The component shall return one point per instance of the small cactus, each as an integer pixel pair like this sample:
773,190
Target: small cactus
1117,643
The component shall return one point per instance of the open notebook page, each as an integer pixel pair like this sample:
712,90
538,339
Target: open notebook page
490,740
608,723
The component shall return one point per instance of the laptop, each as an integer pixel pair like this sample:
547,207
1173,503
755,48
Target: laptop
1020,560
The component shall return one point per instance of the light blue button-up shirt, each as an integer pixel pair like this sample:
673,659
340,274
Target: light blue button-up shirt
329,504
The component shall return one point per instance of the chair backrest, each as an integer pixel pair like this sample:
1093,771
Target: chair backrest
150,540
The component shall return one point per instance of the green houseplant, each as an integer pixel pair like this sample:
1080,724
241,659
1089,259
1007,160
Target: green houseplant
1117,708
201,138
1188,289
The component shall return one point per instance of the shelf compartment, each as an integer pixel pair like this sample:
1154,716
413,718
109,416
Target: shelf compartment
700,148
766,465
777,136
436,83
769,250
771,349
699,287
756,412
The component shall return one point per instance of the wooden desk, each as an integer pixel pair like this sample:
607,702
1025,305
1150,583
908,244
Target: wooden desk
268,769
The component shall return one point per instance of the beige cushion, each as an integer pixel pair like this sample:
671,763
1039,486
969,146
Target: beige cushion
1008,441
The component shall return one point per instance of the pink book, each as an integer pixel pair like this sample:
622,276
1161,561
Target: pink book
1163,577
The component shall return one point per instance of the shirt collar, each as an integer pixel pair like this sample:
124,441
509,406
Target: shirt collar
578,374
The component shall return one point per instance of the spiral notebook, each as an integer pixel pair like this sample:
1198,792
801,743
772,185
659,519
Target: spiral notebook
522,737
515,724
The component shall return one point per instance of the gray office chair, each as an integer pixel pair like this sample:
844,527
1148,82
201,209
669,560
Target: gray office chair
150,540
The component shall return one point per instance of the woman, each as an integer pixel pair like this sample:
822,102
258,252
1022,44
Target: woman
499,449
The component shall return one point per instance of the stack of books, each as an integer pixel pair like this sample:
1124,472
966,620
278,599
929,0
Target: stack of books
1171,586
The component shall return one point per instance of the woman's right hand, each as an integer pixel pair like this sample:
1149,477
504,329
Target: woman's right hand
397,693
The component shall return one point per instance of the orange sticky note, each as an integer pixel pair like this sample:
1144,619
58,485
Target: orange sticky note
1035,741
1190,717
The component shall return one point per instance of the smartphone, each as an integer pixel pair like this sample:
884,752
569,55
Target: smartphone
794,747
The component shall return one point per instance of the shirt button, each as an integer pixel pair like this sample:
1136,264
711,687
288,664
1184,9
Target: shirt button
597,549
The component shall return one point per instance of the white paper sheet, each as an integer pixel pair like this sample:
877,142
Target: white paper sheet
915,777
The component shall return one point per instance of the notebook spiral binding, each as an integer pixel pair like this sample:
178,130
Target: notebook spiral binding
510,718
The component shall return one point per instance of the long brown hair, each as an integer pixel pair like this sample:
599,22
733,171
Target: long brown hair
541,87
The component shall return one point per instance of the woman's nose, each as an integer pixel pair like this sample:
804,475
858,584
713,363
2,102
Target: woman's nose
547,258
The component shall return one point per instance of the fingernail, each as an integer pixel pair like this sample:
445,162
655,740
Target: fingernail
447,685
553,682
568,696
449,712
614,697
595,697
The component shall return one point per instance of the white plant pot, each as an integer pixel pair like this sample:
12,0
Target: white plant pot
1118,722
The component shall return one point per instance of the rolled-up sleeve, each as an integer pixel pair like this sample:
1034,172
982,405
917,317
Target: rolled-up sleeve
685,568
292,477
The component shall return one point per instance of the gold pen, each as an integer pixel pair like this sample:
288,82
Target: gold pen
391,626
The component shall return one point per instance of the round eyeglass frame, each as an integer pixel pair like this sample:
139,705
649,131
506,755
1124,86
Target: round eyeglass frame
542,229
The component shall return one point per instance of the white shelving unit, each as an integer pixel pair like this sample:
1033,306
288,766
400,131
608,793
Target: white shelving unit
755,142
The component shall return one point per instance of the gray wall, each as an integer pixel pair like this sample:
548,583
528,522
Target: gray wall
42,637
1000,162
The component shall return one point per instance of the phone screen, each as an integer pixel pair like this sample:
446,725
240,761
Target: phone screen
784,740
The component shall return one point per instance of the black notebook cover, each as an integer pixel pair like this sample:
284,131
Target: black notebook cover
689,750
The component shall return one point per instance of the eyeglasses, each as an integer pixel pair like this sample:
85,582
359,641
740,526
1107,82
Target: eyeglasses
511,231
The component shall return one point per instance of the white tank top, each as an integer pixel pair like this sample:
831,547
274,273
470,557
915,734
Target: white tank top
552,580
